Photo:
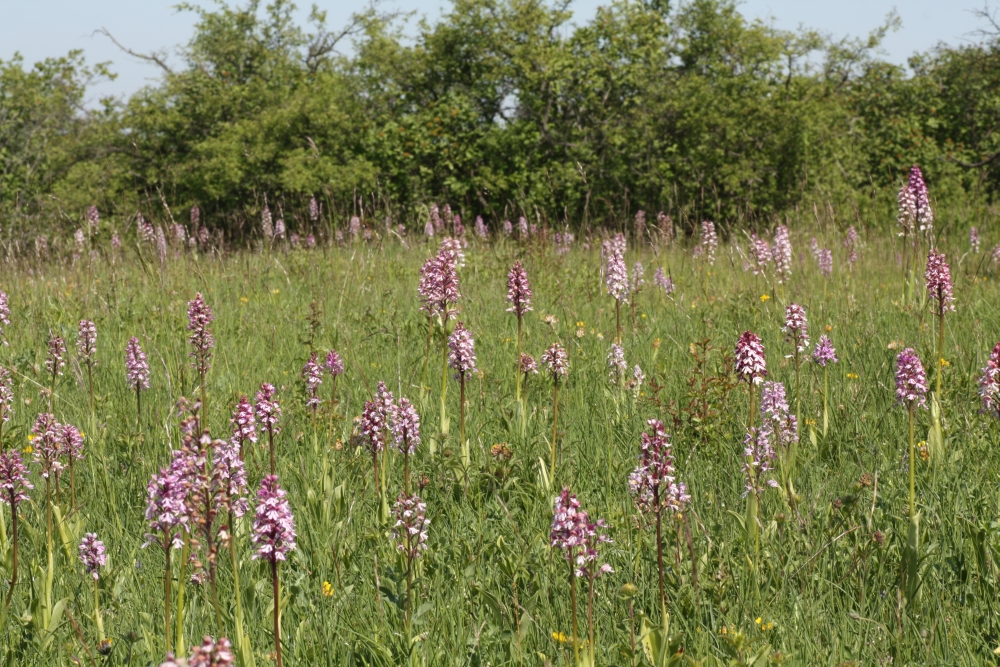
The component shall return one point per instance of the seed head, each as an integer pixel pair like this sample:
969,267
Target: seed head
518,290
273,524
911,381
92,555
750,363
136,367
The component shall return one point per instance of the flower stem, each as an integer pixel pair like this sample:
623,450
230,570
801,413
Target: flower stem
572,594
517,361
277,617
912,465
555,421
97,614
166,586
13,575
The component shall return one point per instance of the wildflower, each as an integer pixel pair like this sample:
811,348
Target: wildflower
556,361
6,395
405,427
165,507
136,367
56,359
92,555
825,261
852,376
652,483
265,222
751,365
4,315
638,278
759,461
778,425
312,374
824,352
14,484
938,279
638,377
244,424
709,241
376,418
461,351
764,298
410,529
47,444
273,525
86,342
327,589
616,363
974,239
209,654
922,213
199,318
527,364
508,228
267,408
616,277
851,243
161,244
666,227
93,218
438,286
782,254
522,227
989,383
334,365
665,283
518,290
911,382
796,327
761,253
453,247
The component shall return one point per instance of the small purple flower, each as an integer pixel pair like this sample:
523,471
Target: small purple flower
638,278
405,427
267,408
616,363
209,654
47,444
165,508
244,423
616,277
938,279
652,483
664,282
313,209
782,254
825,261
666,226
922,213
974,239
334,365
136,367
93,218
201,340
57,355
71,442
273,524
761,252
481,230
195,217
709,241
573,532
778,425
556,361
989,383
518,290
279,228
14,484
312,375
851,243
759,461
266,225
750,363
911,381
461,351
824,352
233,477
796,327
6,395
92,555
410,529
508,228
86,342
527,364
522,227
4,315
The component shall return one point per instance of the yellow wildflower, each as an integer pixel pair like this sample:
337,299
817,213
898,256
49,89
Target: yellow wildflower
945,362
27,450
852,376
327,589
560,637
764,297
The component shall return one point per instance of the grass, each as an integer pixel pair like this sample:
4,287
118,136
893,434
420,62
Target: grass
490,591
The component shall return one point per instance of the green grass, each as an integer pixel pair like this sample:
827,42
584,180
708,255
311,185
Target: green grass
490,590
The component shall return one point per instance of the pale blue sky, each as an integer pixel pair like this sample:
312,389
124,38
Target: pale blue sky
41,28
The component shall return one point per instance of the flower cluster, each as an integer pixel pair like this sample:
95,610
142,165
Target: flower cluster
851,243
4,315
410,529
209,654
617,366
86,342
334,365
438,286
92,555
527,364
556,361
202,342
914,204
93,218
6,395
709,241
481,231
405,427
638,278
782,254
825,261
664,282
57,355
165,505
938,279
759,461
267,408
244,423
911,381
573,532
796,327
750,363
616,275
47,444
989,383
14,483
376,418
652,483
974,239
824,352
761,253
312,375
71,442
461,351
273,524
778,425
518,290
136,367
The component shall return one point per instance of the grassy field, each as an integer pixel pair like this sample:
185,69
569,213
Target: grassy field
815,586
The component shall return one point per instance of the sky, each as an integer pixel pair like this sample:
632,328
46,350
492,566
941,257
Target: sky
46,28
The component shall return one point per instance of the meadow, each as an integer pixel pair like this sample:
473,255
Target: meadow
822,568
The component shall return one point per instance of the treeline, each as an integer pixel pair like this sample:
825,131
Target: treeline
501,108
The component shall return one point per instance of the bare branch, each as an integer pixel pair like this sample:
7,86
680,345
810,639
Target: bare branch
150,57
